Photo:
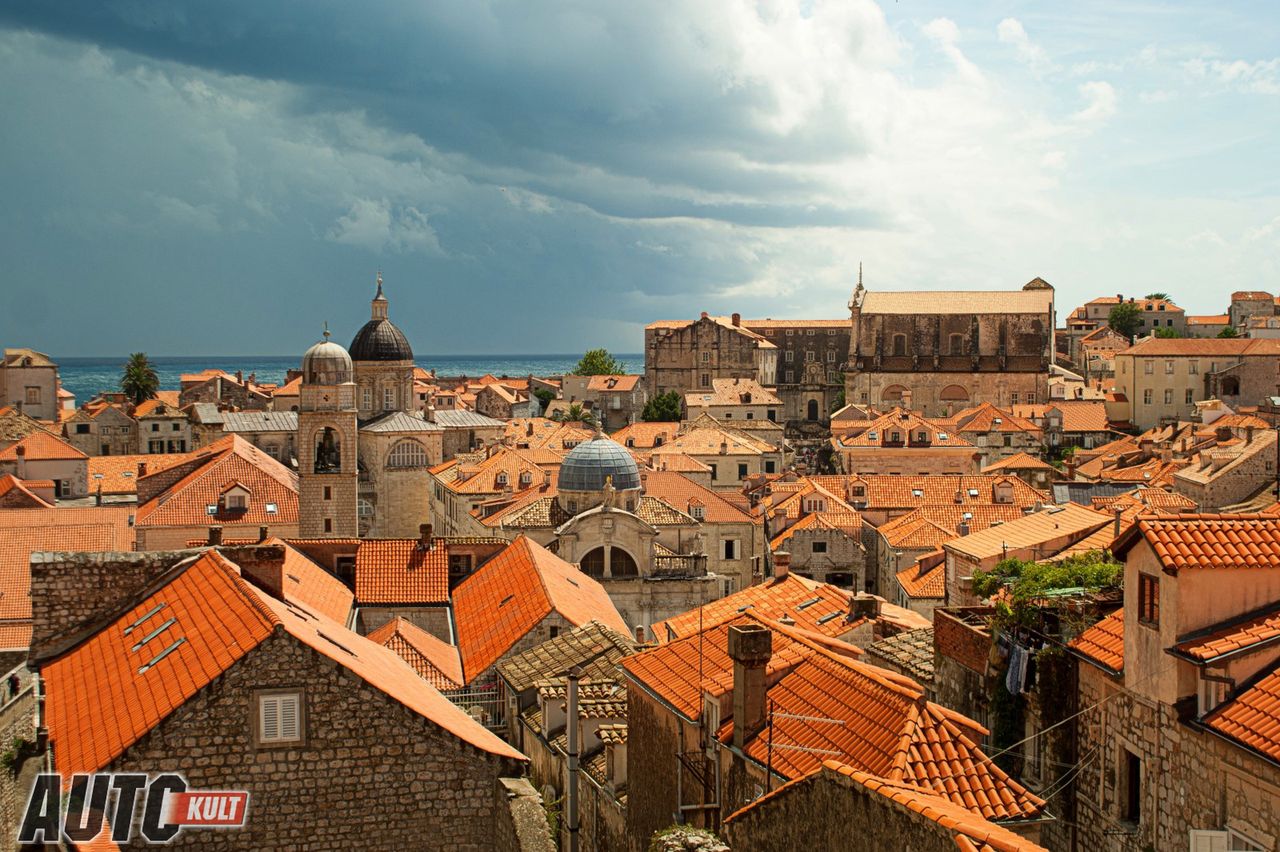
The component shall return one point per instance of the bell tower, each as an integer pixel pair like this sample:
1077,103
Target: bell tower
328,475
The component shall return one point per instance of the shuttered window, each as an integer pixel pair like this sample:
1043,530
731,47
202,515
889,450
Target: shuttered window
280,718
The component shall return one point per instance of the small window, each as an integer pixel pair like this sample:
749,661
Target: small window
742,470
790,356
328,525
388,399
1168,368
83,429
1146,397
1190,396
1168,396
1131,793
33,396
819,547
280,718
235,501
730,548
1149,600
328,493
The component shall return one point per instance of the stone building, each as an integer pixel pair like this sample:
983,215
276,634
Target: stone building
1163,379
225,390
732,454
937,351
273,432
739,400
44,456
1183,681
1223,476
902,442
1246,304
29,382
101,430
812,358
685,356
191,663
1095,314
616,401
162,426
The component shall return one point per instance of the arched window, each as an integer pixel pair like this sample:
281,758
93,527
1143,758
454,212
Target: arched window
621,564
899,344
1231,386
813,409
328,451
954,393
892,394
593,563
407,453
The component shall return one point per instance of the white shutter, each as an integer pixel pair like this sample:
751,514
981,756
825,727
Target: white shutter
289,722
269,712
1203,840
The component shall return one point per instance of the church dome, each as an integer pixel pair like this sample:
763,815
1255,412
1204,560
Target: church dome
326,363
591,462
379,339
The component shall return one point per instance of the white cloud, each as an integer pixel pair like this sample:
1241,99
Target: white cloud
1100,101
1260,77
375,225
1010,31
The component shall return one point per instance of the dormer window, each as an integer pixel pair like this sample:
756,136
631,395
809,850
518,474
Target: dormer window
502,479
1210,694
526,479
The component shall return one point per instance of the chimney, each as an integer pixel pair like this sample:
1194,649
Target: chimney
750,648
704,315
239,376
21,453
781,564
215,535
724,447
1116,529
737,320
1248,434
1071,467
779,520
962,529
261,564
425,537
959,496
863,605
639,633
528,429
262,534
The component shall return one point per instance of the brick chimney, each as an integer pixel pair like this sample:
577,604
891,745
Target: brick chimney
263,534
21,452
1071,467
781,564
737,320
962,529
426,539
215,535
260,564
863,605
750,648
1116,512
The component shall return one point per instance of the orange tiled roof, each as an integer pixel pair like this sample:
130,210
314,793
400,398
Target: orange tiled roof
849,523
906,424
884,491
678,491
1242,635
513,592
1252,717
927,583
704,437
15,635
547,433
1019,461
120,473
436,661
1207,319
889,729
1103,643
310,585
42,446
644,436
15,493
618,384
678,463
931,525
818,607
227,460
520,468
26,531
1208,541
985,417
732,392
1030,530
400,571
220,619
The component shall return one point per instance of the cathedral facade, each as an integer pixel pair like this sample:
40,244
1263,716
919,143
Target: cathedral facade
363,449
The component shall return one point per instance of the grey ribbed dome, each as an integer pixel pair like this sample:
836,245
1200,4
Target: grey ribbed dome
380,340
591,462
326,363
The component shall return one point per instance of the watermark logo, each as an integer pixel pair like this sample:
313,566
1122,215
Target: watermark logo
168,807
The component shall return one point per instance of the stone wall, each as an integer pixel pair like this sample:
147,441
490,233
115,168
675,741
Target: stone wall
433,619
71,590
653,740
17,722
804,816
521,821
842,555
1192,779
371,774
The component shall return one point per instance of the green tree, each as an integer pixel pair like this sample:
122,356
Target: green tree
839,402
139,380
663,408
598,362
544,396
574,413
1157,296
1229,331
1168,332
1030,583
1125,318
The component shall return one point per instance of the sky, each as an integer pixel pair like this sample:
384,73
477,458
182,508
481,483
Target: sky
223,178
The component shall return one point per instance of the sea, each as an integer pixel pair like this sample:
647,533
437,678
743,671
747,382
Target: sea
87,377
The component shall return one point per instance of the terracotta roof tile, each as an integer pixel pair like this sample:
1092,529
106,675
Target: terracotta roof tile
849,523
1031,531
1103,643
1020,461
819,607
616,384
15,635
16,493
593,647
1209,541
42,446
907,424
400,571
732,392
645,436
889,729
883,491
220,619
925,581
120,473
513,592
436,661
1252,717
310,585
1240,635
930,526
226,461
704,436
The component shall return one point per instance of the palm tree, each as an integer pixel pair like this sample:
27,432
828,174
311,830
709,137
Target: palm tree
575,413
139,381
1164,296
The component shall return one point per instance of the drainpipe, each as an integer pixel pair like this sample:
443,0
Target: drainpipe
571,805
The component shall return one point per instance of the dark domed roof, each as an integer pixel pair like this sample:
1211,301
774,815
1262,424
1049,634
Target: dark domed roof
591,462
380,340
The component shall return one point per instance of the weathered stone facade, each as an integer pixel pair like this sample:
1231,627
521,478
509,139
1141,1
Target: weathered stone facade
686,356
812,358
935,351
104,432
